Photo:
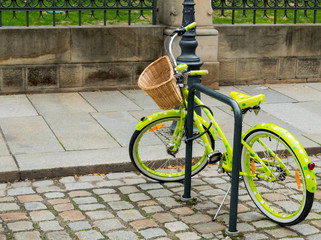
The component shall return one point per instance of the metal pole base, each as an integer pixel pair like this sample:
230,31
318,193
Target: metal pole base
191,199
232,234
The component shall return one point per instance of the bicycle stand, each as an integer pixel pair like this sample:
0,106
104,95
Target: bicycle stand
221,205
234,188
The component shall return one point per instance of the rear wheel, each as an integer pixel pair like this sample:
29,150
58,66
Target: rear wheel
286,199
150,151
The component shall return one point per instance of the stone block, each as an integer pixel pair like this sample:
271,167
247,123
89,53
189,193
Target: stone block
138,69
227,71
70,76
13,79
252,41
108,75
308,67
42,77
287,68
211,80
251,69
36,45
108,44
207,48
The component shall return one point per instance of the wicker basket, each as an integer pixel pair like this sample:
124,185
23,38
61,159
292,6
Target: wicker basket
158,81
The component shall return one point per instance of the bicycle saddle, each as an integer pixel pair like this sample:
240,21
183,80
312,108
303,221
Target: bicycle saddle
247,101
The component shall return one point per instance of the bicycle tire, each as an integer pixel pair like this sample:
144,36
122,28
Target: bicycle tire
286,200
148,152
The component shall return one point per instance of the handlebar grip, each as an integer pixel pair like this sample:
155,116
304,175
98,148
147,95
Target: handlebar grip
198,72
190,26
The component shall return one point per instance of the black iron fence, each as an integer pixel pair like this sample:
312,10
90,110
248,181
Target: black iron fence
276,9
67,9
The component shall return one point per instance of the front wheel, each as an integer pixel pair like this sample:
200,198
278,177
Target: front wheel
150,151
285,199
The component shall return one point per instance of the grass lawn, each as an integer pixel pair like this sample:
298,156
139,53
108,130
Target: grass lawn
72,18
269,18
112,17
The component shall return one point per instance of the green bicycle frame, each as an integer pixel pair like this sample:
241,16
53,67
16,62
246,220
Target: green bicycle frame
200,123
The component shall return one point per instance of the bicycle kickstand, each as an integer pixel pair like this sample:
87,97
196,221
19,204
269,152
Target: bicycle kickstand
219,209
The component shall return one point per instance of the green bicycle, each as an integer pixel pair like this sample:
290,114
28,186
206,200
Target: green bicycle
275,168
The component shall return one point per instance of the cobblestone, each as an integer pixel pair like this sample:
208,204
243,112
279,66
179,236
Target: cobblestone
32,235
130,215
4,207
109,224
50,226
89,235
122,235
31,206
77,226
29,198
54,195
176,226
135,197
106,207
84,200
20,226
152,233
59,235
90,207
97,215
43,215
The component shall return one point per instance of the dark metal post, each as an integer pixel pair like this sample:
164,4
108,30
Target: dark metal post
232,230
154,12
189,147
189,44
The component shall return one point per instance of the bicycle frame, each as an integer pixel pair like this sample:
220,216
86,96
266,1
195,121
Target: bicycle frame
227,164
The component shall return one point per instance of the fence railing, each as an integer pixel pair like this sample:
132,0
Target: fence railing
276,9
63,9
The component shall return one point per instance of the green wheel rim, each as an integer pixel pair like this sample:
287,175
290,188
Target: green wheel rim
259,197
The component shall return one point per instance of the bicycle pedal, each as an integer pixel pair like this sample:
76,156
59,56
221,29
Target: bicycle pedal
214,157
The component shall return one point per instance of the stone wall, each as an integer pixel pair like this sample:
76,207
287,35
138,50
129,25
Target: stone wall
44,59
256,54
57,59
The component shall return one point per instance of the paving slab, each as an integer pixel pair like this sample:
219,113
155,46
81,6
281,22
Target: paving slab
110,101
315,85
264,117
299,91
79,131
120,125
16,106
29,135
295,115
3,147
9,169
66,163
60,103
314,106
316,138
271,96
140,98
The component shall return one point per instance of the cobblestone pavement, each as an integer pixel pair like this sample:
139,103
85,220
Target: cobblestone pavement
130,206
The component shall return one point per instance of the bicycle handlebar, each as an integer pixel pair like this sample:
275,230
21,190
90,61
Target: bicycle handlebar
178,32
182,30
